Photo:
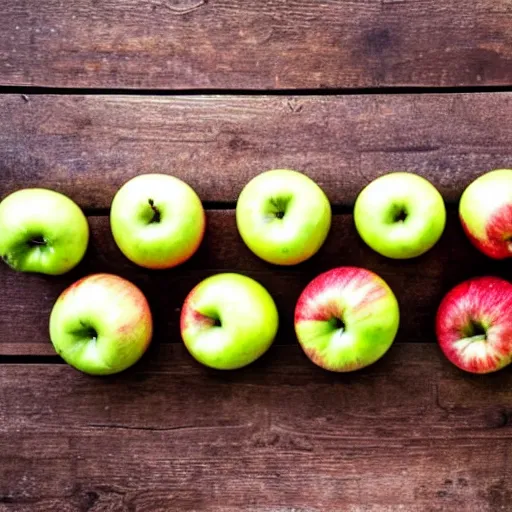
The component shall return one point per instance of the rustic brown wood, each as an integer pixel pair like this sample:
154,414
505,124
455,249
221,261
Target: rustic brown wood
419,284
89,146
176,44
410,433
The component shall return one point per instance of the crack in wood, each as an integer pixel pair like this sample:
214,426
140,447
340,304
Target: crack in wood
180,10
157,429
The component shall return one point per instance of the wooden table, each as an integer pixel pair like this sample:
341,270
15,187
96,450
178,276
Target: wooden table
97,91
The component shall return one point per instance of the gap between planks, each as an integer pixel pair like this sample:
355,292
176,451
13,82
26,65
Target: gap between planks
27,90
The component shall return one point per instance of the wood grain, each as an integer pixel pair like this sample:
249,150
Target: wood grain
409,433
88,146
419,284
183,44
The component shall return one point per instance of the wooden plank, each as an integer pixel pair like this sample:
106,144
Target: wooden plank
176,44
410,433
419,284
88,146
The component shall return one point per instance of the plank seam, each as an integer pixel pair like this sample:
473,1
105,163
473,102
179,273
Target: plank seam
26,90
336,208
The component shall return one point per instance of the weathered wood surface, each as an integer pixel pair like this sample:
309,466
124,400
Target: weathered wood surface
419,284
183,44
88,146
409,433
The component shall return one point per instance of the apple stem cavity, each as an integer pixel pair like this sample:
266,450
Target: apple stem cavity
156,213
279,205
338,324
215,319
400,215
475,331
86,333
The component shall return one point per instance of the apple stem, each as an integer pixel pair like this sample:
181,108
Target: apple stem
37,241
156,212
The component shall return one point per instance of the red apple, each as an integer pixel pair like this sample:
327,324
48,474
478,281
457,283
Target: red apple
474,325
346,319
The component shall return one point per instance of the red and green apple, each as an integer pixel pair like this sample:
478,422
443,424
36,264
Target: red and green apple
485,212
228,321
101,324
346,319
474,324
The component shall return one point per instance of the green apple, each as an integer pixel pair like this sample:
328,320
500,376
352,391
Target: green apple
346,319
228,321
283,216
157,221
101,324
42,231
485,211
400,215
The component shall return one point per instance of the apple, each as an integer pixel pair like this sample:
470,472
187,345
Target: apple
101,324
400,215
283,216
42,231
485,211
346,319
157,221
228,321
474,324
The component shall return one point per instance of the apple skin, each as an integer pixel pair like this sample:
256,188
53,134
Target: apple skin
379,211
369,315
474,307
42,231
228,321
101,324
157,221
485,211
283,216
